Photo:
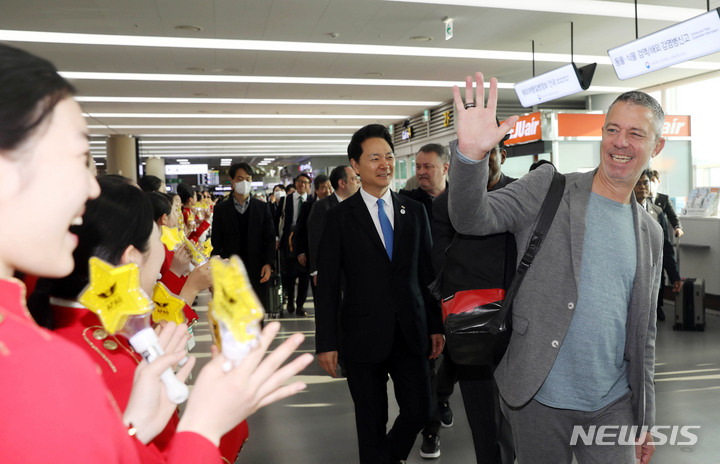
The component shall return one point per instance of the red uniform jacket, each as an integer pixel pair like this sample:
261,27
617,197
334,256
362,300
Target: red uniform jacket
55,405
118,361
191,224
175,284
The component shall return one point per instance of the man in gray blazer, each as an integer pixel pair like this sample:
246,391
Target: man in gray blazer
582,350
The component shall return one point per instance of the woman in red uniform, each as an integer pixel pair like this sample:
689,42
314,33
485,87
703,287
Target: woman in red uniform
55,405
194,226
117,227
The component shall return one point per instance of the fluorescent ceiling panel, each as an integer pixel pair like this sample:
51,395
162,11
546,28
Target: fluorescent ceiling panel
204,155
316,47
243,116
186,127
253,101
349,134
577,7
233,142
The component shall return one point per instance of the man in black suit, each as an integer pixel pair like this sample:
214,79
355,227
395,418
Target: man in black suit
243,226
663,201
291,268
386,322
345,183
323,190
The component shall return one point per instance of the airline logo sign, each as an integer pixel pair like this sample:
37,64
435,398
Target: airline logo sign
527,129
590,125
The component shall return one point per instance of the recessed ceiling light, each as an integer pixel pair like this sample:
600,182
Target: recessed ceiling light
188,28
421,38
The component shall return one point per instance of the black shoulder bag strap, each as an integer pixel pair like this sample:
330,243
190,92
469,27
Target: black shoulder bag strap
547,214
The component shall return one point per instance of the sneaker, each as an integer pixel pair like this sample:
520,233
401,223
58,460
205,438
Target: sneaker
446,414
430,448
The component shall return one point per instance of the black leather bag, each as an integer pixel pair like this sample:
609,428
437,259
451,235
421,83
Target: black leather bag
477,322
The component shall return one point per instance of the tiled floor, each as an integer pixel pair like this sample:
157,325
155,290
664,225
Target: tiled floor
317,426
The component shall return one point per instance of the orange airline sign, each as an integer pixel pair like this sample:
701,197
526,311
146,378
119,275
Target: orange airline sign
590,125
527,129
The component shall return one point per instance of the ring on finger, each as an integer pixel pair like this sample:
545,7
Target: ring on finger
469,105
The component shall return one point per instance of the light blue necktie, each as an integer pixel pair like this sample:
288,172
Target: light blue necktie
386,227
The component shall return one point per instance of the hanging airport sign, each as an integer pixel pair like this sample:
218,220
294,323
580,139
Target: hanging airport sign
184,169
560,82
696,37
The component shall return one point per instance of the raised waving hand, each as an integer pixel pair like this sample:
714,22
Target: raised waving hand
477,127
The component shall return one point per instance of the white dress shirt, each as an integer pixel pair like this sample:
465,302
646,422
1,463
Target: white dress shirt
296,208
371,203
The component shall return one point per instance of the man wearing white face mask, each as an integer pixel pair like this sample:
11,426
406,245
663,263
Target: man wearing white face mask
244,227
274,200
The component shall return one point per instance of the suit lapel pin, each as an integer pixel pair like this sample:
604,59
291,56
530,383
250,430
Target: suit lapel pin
402,209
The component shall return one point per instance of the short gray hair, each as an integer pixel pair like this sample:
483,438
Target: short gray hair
636,97
442,151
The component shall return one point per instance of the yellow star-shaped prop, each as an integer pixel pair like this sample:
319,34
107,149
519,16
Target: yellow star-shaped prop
114,294
171,237
207,248
234,301
168,306
197,256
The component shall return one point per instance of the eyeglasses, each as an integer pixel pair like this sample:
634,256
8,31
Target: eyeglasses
307,182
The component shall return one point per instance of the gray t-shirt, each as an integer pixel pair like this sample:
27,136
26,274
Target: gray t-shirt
590,372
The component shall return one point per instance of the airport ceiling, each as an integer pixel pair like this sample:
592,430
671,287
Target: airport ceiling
287,79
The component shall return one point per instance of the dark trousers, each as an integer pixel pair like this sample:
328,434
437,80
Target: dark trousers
491,433
442,380
368,388
292,271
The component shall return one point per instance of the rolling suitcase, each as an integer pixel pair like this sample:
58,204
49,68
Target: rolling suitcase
273,308
273,295
690,302
690,305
